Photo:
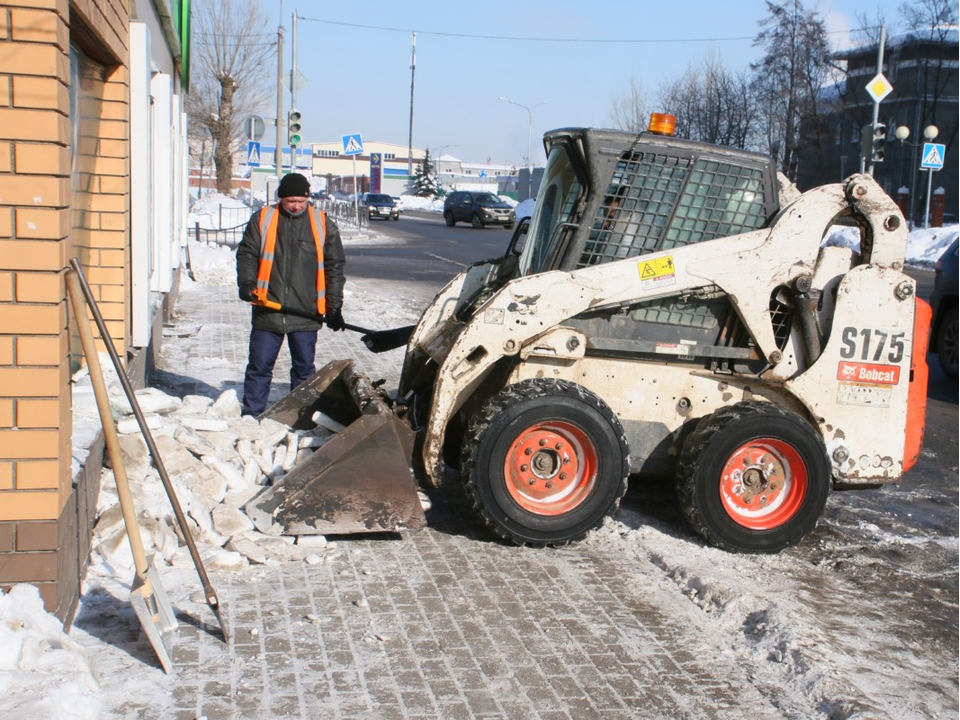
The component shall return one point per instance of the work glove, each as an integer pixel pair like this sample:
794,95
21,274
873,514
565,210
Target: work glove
246,291
334,319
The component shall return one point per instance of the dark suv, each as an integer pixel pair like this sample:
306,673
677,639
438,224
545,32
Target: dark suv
381,206
478,209
943,339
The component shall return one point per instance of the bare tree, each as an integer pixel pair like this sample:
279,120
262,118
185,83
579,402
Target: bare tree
629,111
227,82
711,104
789,77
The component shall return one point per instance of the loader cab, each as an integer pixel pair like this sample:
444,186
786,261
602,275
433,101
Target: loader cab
609,195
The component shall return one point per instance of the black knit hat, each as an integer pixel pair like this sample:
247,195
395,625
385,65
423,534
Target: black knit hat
294,185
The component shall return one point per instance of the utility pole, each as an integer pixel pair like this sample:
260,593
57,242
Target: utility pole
278,152
293,83
413,70
876,105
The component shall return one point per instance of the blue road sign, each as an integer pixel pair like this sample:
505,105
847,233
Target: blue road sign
932,158
482,173
352,144
253,154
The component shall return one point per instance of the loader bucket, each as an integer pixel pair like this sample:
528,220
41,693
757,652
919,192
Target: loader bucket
360,481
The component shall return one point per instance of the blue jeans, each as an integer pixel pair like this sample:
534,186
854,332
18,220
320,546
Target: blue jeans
264,348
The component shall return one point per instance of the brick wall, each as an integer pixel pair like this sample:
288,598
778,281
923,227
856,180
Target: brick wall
53,208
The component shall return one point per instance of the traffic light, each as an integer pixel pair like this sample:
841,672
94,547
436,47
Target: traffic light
293,128
873,139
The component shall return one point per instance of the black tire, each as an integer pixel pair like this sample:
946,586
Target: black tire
947,344
396,218
569,426
780,497
508,226
448,217
477,222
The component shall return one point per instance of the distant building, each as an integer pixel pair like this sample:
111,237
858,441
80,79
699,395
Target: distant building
922,67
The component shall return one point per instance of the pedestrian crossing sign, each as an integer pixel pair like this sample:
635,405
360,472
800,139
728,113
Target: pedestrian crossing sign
352,144
932,158
253,154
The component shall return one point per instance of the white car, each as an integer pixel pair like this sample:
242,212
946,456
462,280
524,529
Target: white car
399,201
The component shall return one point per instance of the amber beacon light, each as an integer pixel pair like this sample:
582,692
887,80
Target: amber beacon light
662,124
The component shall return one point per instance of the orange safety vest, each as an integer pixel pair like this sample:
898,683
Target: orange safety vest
270,219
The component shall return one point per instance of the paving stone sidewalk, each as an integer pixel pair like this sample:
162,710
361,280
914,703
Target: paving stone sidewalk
440,623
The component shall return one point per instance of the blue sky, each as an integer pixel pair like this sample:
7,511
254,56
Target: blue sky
357,56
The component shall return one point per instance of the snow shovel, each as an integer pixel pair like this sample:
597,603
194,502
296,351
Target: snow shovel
77,278
147,596
377,341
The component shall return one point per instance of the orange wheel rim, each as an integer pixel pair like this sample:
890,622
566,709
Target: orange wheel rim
763,484
550,468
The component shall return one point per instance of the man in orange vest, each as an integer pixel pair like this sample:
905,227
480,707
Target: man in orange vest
290,257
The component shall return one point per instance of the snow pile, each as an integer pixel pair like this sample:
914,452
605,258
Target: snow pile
924,247
217,462
219,211
43,673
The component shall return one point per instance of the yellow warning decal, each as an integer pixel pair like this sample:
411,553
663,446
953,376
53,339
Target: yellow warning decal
657,273
656,269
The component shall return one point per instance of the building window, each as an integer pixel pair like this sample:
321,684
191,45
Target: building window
389,156
327,153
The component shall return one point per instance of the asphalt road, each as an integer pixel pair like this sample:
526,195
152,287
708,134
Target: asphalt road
431,252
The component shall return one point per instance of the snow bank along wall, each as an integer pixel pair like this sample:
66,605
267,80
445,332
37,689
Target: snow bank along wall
92,166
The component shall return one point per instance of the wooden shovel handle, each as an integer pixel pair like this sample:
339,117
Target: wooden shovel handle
109,427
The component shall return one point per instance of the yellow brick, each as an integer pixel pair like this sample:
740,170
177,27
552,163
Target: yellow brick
6,476
4,26
33,254
103,165
37,26
6,222
113,258
34,191
37,474
29,59
4,90
32,444
61,7
111,294
42,223
6,165
6,412
6,286
42,159
114,185
6,350
30,320
105,203
112,148
37,414
104,276
34,505
104,239
113,221
38,125
39,287
112,129
40,349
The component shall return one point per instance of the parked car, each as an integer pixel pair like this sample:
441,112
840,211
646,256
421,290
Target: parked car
477,208
399,201
380,206
943,338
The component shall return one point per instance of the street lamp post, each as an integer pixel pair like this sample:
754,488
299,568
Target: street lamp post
439,155
930,133
529,110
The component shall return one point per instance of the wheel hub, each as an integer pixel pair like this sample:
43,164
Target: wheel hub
763,483
550,468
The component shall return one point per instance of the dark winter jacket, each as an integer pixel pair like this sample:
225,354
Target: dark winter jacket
293,280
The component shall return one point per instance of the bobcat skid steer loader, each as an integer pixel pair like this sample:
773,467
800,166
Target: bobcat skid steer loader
669,309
